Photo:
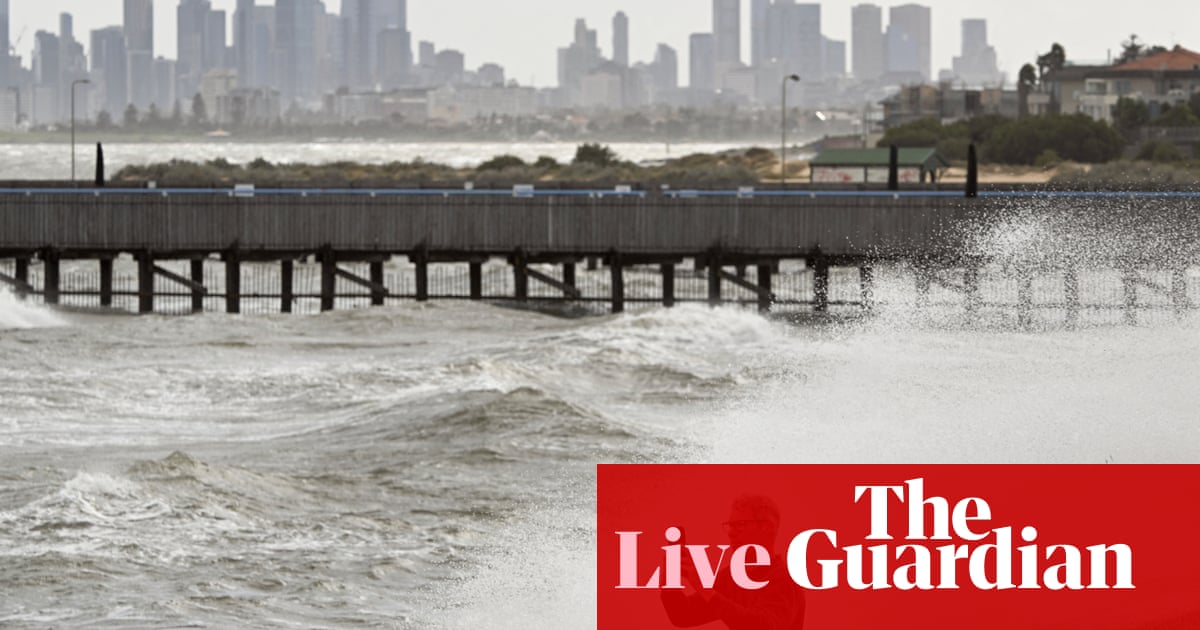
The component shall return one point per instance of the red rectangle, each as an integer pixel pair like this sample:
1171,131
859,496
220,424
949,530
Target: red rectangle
1098,547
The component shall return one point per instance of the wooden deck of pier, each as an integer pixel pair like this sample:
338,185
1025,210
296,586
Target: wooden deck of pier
720,230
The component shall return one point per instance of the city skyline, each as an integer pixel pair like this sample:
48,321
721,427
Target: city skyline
531,60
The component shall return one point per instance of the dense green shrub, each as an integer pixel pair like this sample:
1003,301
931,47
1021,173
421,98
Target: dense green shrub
501,162
1159,151
597,154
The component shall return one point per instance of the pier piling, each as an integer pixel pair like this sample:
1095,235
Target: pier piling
233,282
765,297
668,284
51,276
145,265
197,275
618,282
476,279
866,284
287,285
106,282
820,283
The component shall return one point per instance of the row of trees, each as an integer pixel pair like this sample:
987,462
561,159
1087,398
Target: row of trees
153,119
1020,141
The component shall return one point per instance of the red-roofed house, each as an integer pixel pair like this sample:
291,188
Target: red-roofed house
1161,81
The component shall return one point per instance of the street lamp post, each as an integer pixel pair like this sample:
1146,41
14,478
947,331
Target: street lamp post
783,129
74,83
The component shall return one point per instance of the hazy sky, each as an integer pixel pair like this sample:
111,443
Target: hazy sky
522,35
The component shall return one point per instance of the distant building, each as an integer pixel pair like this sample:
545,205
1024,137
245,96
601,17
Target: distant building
866,39
834,55
578,60
139,48
395,57
702,62
795,40
760,52
47,75
1160,81
253,107
947,103
165,86
621,39
910,40
664,72
109,70
490,75
727,29
977,65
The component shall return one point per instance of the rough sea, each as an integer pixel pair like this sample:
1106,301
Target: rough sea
432,466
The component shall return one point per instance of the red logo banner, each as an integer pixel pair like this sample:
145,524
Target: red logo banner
898,547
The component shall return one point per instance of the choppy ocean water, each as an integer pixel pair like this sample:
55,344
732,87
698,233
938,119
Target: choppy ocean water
432,466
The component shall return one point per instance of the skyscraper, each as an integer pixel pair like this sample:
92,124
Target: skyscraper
666,68
760,53
727,29
243,42
867,41
139,48
109,67
295,49
795,39
913,26
977,64
702,74
5,43
139,25
621,39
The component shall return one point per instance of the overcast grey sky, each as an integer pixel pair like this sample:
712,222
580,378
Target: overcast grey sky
522,35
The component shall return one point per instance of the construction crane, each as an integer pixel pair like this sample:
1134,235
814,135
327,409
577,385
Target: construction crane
12,47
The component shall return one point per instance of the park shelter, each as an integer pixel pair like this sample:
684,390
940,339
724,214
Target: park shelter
870,166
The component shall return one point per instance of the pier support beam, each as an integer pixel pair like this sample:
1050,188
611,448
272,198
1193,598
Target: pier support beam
197,276
568,273
668,285
328,281
287,285
820,265
1130,282
378,297
22,270
765,296
866,281
1179,291
106,282
51,277
520,277
233,282
1025,297
1071,289
618,282
476,274
145,263
714,279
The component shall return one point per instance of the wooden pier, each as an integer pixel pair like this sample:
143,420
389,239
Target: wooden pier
723,233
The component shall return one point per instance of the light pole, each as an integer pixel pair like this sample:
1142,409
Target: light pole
74,83
783,129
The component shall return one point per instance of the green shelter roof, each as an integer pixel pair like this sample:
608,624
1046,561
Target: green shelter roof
928,158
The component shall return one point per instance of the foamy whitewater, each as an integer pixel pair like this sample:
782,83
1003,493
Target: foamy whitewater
432,466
